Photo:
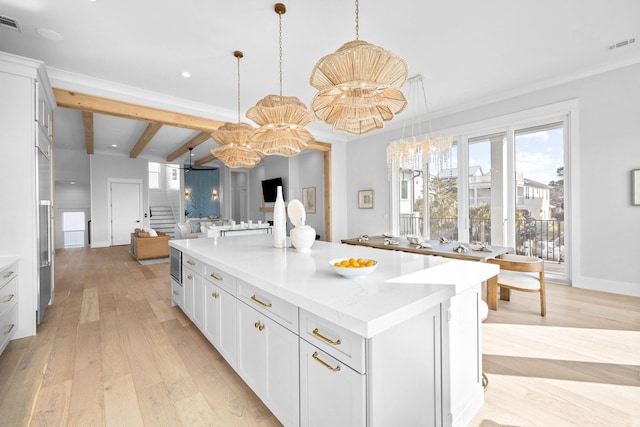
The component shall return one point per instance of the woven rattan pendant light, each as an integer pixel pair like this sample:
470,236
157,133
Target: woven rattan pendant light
282,119
236,150
358,86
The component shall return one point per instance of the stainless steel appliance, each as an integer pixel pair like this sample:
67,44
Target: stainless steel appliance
45,256
175,264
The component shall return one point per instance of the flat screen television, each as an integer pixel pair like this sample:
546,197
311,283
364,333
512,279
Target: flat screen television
270,189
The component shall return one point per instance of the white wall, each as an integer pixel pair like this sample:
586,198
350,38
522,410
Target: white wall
103,168
605,227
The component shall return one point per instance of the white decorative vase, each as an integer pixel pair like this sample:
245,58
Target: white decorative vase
279,221
302,237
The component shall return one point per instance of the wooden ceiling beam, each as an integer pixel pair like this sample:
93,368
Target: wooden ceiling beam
87,123
147,135
193,142
96,104
205,160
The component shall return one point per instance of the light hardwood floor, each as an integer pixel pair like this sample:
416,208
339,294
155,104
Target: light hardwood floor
112,351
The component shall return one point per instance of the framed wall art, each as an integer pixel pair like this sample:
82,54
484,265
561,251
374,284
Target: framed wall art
365,199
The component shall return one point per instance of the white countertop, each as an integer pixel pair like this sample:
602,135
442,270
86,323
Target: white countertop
402,286
6,260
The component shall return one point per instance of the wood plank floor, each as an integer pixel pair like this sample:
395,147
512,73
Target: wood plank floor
112,351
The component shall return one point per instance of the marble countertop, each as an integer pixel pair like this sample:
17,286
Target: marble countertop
402,286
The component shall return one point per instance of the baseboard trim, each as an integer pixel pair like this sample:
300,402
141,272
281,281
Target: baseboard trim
100,244
612,286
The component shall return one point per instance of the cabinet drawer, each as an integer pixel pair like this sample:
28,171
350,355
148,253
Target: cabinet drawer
8,273
277,309
340,343
194,264
8,295
177,294
8,326
220,278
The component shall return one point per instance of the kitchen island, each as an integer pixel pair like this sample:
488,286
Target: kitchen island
400,346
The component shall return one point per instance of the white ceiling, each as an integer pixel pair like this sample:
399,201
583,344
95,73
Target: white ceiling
469,51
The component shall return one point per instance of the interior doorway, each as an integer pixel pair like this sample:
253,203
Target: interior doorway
74,228
125,210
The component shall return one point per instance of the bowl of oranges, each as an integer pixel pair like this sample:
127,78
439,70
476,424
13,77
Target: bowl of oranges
353,267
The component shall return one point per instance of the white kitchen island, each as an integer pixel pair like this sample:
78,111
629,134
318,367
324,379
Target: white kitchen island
400,347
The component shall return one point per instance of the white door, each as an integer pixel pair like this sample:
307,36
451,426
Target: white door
126,212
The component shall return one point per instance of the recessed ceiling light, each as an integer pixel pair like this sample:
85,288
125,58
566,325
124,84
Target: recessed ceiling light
49,34
114,145
185,74
72,182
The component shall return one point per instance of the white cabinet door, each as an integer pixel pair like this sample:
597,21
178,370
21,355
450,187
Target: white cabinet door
331,393
198,301
268,363
220,321
188,280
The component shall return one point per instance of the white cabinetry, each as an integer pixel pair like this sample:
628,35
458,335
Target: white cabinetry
268,362
331,393
8,301
25,92
220,313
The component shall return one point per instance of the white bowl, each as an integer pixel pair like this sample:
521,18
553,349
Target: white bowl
352,273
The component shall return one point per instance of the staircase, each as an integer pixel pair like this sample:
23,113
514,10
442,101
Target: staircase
162,219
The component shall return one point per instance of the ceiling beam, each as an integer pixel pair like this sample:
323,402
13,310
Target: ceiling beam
205,160
87,123
147,135
95,104
193,142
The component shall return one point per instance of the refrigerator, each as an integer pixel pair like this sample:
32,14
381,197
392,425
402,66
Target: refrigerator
44,220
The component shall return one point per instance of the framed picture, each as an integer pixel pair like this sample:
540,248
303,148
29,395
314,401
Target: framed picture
635,187
365,199
309,199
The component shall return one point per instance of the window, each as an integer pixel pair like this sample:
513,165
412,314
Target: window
404,189
503,183
154,176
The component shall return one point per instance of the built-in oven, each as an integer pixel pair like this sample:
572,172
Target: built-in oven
175,264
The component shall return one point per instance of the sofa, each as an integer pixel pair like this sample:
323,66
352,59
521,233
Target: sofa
146,246
195,227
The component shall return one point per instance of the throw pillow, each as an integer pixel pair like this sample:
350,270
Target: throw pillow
195,227
152,233
184,228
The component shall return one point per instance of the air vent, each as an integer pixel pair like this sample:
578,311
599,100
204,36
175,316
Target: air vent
622,44
11,23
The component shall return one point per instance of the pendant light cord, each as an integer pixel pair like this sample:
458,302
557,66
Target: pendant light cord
280,46
357,21
238,57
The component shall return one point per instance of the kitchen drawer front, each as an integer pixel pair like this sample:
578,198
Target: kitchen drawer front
340,343
220,278
8,273
8,295
194,264
8,326
177,294
277,309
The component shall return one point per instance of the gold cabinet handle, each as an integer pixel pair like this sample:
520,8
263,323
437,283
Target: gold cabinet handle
190,262
259,326
8,331
215,294
264,304
216,277
325,364
190,277
8,298
325,339
175,293
7,275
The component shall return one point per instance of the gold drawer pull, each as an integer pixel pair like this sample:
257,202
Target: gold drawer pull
323,338
8,298
7,275
216,277
325,364
215,294
190,277
175,293
8,331
190,262
259,326
253,297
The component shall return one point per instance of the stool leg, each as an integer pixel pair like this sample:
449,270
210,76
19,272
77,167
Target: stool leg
505,294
